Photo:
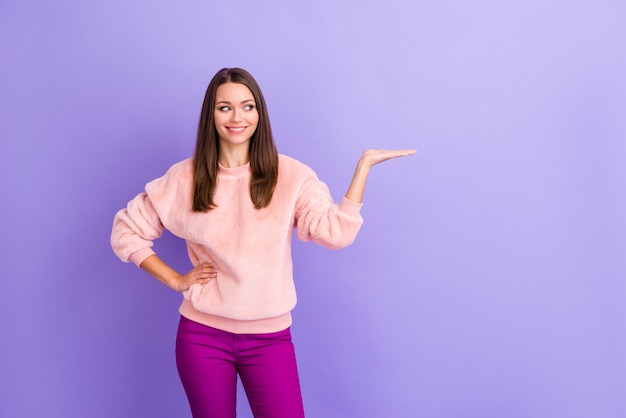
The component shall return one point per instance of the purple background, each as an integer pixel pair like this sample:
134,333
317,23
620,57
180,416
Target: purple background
488,279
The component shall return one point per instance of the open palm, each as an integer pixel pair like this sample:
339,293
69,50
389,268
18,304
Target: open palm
371,157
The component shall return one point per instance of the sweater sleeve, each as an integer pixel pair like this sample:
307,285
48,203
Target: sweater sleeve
134,230
321,220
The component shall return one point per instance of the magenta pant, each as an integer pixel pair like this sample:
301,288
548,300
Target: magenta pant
209,360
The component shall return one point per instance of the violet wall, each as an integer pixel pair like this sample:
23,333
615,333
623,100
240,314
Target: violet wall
488,280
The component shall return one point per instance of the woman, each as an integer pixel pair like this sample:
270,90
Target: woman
236,203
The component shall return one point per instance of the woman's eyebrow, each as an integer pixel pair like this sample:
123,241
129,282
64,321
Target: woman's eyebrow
227,102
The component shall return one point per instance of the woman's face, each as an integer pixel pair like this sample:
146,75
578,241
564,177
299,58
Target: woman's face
236,115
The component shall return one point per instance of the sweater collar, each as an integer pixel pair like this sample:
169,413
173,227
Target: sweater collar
234,171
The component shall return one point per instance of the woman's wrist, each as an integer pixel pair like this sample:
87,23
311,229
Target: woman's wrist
357,185
158,269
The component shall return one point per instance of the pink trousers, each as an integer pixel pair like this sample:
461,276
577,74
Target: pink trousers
209,361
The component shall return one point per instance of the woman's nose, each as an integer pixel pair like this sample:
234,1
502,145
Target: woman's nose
235,115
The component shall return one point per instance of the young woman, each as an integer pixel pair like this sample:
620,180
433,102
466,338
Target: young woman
236,203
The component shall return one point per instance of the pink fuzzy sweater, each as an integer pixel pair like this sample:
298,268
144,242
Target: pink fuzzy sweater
254,291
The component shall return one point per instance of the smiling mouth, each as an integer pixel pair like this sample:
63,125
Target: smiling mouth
236,129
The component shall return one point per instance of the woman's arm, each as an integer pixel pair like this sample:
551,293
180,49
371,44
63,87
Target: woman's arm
158,269
368,159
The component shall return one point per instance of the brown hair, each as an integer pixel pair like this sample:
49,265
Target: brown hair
263,154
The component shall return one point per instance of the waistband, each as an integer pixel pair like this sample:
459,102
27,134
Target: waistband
258,326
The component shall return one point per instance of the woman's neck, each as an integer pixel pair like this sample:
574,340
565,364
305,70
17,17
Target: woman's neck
231,157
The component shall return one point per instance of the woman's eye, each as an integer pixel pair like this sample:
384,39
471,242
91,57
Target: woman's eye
224,108
249,107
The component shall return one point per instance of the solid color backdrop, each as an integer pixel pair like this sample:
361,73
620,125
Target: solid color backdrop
488,279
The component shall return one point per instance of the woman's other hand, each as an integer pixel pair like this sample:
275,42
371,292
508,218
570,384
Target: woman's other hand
201,274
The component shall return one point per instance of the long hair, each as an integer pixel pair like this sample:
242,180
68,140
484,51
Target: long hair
263,154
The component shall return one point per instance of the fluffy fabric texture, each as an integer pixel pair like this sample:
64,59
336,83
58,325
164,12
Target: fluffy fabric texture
250,247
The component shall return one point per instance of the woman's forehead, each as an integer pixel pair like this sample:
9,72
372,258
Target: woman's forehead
233,91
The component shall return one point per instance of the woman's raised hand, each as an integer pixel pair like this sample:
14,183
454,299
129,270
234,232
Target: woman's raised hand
371,157
368,159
